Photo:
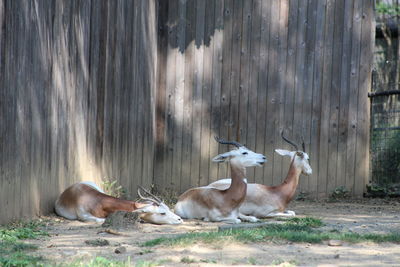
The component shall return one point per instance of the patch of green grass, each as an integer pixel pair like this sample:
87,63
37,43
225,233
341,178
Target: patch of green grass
142,263
252,261
294,230
18,259
98,262
18,231
306,221
13,252
188,260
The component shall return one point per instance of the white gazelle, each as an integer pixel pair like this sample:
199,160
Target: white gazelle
212,204
268,201
85,201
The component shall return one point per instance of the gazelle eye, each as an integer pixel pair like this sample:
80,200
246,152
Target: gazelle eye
245,153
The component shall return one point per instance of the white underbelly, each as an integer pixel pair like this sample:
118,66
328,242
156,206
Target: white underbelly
64,212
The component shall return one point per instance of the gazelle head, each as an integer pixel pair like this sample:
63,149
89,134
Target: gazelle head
157,212
300,158
241,155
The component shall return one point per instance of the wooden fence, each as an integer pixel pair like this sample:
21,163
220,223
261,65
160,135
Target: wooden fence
245,70
136,90
76,98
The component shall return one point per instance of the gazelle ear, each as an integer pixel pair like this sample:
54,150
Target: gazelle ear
284,152
221,157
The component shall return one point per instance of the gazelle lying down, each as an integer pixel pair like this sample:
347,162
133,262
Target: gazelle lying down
85,201
211,204
269,201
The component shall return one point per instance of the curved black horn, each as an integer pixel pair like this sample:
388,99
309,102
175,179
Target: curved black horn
303,144
224,142
290,142
154,198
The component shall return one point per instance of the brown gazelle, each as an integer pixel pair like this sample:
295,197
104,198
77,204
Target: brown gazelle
85,201
211,204
269,201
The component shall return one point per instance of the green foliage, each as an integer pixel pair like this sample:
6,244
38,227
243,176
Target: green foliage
294,230
340,192
387,9
112,188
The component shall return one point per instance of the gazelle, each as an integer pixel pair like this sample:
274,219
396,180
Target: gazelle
85,201
211,204
269,201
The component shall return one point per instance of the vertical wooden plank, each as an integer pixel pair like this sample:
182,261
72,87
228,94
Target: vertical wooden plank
353,96
8,80
197,93
315,158
244,76
237,36
280,166
179,97
262,93
128,110
117,88
363,114
5,114
162,43
40,181
136,142
217,63
205,139
344,94
170,92
289,102
24,115
325,99
109,95
188,95
121,73
273,94
151,18
300,76
226,85
307,82
142,98
335,96
255,44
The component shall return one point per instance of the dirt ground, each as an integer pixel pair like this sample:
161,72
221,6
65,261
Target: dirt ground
67,241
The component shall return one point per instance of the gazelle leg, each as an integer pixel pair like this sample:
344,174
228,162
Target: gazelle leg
282,214
86,216
247,218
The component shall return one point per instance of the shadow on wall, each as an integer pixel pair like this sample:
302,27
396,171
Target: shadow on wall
209,59
71,115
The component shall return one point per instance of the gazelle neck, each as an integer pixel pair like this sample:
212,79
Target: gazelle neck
238,187
112,204
291,181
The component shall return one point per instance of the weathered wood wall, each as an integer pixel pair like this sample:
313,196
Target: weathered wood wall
245,70
90,90
76,98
